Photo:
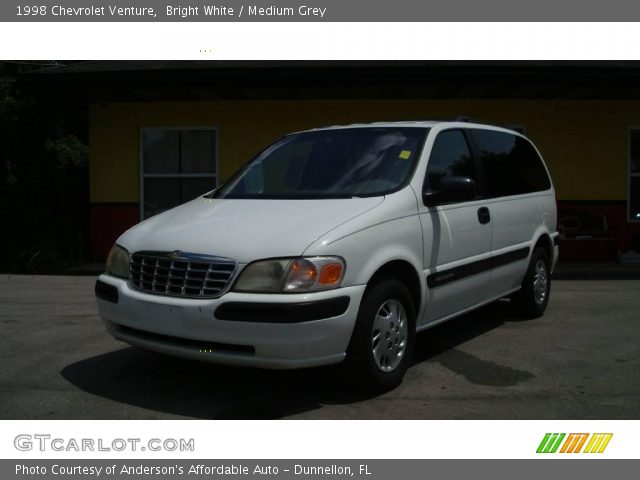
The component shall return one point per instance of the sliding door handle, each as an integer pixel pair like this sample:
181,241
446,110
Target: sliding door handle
484,216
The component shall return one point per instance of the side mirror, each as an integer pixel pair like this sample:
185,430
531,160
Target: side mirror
451,190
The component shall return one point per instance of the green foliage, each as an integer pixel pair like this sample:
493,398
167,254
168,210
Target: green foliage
43,188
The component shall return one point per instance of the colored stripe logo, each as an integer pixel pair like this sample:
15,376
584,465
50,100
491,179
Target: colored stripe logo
574,443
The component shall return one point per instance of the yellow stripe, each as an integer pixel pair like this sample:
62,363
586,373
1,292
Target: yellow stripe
607,438
591,441
599,439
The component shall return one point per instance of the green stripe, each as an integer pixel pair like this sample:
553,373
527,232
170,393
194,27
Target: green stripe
558,442
543,442
549,444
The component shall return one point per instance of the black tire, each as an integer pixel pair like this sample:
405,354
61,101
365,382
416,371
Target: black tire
528,302
381,296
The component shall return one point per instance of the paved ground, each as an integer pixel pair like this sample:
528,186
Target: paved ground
581,360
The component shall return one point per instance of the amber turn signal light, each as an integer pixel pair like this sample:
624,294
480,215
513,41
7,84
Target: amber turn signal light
330,274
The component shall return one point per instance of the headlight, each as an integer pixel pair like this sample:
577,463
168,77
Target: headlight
308,274
118,262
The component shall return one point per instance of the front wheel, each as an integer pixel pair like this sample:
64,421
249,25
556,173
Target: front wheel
532,299
380,350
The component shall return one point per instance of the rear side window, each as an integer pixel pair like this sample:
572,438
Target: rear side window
450,157
512,165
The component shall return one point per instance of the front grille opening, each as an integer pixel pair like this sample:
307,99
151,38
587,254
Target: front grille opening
196,345
190,275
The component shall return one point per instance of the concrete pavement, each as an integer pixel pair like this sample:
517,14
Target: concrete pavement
581,360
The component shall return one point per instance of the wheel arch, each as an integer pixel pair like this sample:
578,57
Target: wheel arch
405,272
544,241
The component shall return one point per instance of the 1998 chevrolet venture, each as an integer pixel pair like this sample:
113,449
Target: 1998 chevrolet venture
339,244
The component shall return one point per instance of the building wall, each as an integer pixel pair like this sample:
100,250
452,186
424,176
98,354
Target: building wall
585,143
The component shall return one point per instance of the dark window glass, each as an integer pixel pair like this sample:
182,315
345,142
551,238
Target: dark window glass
161,151
160,194
197,149
512,165
178,151
450,157
343,162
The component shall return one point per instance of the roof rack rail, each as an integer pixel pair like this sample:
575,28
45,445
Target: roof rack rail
458,118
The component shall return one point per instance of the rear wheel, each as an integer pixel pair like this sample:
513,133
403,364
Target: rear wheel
380,350
532,299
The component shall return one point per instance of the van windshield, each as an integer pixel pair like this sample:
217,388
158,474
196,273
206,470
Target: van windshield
338,163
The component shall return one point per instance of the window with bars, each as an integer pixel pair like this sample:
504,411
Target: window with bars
177,165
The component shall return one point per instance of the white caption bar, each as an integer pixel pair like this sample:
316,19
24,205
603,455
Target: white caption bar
307,439
320,41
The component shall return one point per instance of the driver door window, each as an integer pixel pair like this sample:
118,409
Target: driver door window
450,157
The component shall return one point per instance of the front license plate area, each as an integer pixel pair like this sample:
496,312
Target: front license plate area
158,316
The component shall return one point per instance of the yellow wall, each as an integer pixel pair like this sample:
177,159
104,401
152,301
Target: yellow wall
585,143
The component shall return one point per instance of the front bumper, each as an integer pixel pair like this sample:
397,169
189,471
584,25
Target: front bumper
258,330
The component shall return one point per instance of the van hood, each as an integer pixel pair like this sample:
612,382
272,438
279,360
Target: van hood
244,229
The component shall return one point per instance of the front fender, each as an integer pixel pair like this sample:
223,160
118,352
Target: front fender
367,250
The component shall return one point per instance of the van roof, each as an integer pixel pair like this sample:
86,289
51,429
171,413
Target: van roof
462,122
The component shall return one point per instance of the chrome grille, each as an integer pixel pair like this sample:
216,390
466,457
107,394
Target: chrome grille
181,274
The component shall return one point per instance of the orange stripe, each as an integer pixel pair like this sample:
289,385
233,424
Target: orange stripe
566,443
576,439
581,443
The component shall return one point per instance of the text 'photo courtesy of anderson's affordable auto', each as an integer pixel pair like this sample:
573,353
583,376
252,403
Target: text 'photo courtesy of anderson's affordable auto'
338,245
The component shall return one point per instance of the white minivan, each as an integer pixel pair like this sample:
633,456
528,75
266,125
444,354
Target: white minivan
339,244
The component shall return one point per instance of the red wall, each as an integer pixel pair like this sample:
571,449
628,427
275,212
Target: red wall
107,222
619,228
